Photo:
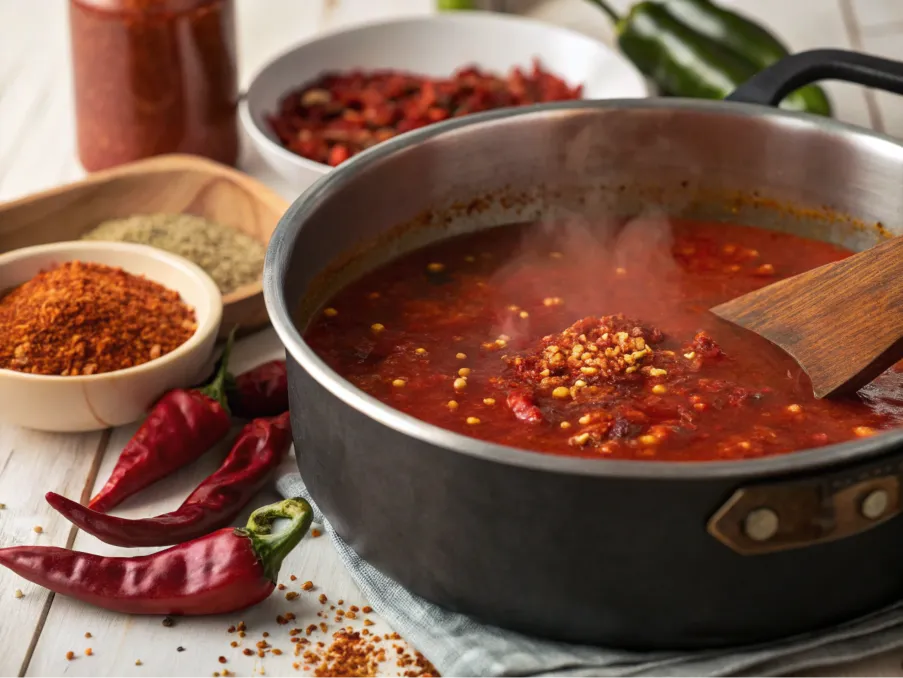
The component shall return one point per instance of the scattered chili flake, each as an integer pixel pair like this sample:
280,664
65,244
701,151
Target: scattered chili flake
280,619
265,634
260,653
87,634
310,629
137,662
89,651
231,629
168,621
222,660
241,626
38,529
341,114
247,652
180,649
82,318
289,616
281,587
368,622
262,644
322,599
315,532
291,595
70,655
366,609
242,634
323,627
307,586
19,593
2,506
234,643
292,577
350,615
277,651
341,602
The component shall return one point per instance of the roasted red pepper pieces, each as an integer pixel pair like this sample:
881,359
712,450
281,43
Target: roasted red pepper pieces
183,425
216,502
225,571
260,392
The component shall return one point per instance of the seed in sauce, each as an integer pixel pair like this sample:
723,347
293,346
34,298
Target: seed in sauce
435,267
452,404
472,421
398,383
461,356
464,372
377,327
460,383
330,312
489,401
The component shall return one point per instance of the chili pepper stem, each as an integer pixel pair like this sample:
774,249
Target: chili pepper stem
216,389
608,9
273,548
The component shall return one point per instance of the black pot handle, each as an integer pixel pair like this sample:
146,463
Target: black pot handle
771,85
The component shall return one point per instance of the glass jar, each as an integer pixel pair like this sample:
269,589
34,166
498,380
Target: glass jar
152,77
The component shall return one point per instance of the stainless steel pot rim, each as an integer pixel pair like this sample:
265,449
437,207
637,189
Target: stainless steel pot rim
282,244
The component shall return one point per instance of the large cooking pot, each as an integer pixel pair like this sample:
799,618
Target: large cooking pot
623,553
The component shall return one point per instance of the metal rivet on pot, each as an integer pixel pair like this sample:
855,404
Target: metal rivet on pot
761,524
875,504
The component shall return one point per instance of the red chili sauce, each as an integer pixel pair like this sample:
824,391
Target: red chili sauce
594,342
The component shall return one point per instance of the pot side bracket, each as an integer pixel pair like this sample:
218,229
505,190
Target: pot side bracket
797,513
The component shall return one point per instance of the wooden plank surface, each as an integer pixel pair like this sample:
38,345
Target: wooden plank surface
30,464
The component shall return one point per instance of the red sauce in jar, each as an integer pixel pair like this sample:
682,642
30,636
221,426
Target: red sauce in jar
594,342
153,77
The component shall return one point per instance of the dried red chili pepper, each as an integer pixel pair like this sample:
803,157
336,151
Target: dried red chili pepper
214,503
341,114
224,571
180,428
260,392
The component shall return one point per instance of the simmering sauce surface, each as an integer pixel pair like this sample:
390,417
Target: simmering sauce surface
594,340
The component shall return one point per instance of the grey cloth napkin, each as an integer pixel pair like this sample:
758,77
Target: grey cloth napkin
459,646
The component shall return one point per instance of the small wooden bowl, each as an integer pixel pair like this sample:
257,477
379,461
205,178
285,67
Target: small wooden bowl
181,184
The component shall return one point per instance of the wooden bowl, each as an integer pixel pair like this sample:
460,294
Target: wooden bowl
182,184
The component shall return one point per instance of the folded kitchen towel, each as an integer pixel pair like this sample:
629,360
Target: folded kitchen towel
459,646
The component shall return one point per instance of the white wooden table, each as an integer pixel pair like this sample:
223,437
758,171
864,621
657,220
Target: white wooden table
37,151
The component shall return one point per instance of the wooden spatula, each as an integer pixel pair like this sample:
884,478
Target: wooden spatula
842,322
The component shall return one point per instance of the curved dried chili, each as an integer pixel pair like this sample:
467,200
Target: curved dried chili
183,425
224,571
214,503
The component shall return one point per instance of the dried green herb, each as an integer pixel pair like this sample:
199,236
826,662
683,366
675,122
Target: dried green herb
229,256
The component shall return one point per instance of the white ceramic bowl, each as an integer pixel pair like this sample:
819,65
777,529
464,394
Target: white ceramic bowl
434,46
87,403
